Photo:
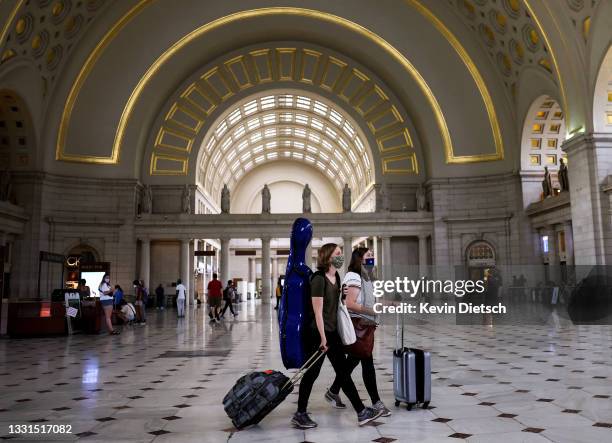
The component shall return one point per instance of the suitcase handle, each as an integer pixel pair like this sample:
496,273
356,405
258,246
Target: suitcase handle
305,367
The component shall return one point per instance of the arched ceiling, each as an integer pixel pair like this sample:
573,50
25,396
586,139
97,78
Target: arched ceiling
349,88
57,36
543,134
282,127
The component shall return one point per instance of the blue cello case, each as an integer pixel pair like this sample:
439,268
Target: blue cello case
294,313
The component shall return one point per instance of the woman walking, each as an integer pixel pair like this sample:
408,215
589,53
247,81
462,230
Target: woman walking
360,301
323,335
106,300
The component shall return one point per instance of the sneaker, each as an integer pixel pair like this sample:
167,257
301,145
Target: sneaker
334,400
302,420
367,415
380,406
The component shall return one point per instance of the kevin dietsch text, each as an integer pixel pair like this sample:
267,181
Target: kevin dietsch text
428,308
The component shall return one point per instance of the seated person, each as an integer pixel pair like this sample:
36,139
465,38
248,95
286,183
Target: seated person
126,312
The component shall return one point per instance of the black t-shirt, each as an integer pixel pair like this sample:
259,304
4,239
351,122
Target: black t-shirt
320,286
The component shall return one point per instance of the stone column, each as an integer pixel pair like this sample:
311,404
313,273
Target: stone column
589,163
265,270
185,266
347,248
569,243
553,254
274,272
386,257
145,262
423,265
224,261
189,300
252,270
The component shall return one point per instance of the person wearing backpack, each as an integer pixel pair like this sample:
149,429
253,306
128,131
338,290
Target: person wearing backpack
323,335
360,303
228,296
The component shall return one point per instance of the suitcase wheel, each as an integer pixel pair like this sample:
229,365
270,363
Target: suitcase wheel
425,405
397,403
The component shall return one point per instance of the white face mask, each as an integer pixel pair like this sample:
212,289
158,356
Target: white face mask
107,279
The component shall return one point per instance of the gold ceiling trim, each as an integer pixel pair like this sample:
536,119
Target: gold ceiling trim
480,84
9,21
301,12
553,57
86,69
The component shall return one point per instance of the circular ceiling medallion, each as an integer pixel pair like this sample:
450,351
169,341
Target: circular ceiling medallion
516,51
512,7
498,20
531,38
487,34
39,43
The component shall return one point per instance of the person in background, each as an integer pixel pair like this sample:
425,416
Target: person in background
229,295
160,295
360,303
145,294
118,296
126,312
181,292
140,315
83,289
323,335
214,298
106,300
278,292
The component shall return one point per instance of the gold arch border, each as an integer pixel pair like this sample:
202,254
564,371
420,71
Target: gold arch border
480,84
9,21
552,56
94,56
233,74
126,114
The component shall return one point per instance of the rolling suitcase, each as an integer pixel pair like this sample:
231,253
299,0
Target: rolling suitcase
256,394
411,374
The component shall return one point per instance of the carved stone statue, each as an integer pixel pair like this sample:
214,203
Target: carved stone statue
563,177
421,198
265,200
147,200
186,200
306,199
225,200
5,185
383,198
547,183
346,198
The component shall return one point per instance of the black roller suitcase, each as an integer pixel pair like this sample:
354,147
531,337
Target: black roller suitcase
411,374
256,394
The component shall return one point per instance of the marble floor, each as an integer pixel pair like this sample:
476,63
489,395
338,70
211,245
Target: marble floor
165,382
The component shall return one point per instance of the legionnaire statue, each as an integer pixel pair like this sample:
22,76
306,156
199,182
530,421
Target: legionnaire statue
421,198
346,198
306,199
147,200
186,200
547,183
225,200
563,177
265,200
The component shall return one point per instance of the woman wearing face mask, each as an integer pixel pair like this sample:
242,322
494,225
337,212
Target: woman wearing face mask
360,301
325,294
106,300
